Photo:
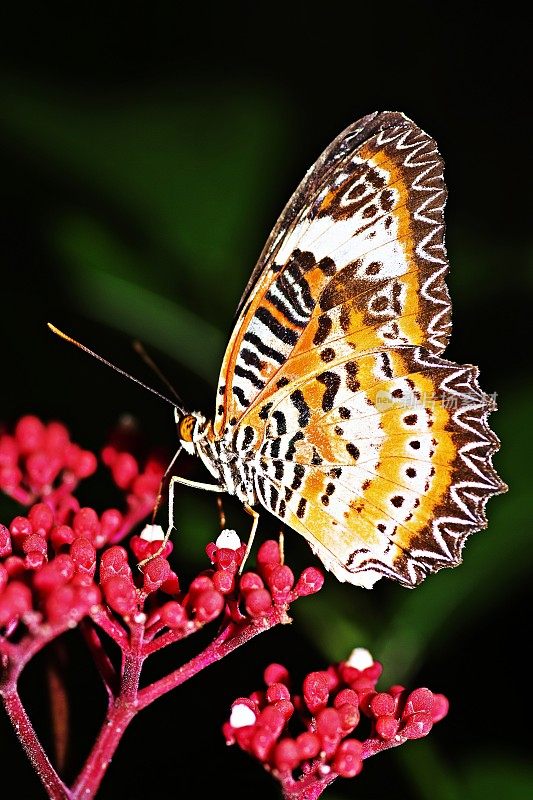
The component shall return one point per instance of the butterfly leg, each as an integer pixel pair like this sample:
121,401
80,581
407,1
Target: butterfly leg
221,514
255,514
162,483
208,487
281,540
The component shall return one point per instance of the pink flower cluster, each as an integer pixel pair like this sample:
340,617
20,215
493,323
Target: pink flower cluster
305,740
63,566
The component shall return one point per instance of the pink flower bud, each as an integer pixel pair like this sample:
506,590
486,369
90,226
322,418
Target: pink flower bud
42,468
20,528
280,581
418,700
250,581
155,573
41,518
258,602
145,487
10,478
286,755
226,559
84,464
5,542
211,551
34,543
268,553
56,437
272,719
387,727
86,524
110,522
61,535
171,585
30,434
285,708
310,581
382,704
120,594
440,707
15,601
346,696
114,561
9,451
55,574
308,745
224,581
417,725
14,566
173,615
83,554
208,605
277,691
261,741
349,717
276,673
328,723
124,470
315,691
348,758
202,583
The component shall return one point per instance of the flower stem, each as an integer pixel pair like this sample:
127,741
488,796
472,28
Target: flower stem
119,716
306,788
53,784
219,648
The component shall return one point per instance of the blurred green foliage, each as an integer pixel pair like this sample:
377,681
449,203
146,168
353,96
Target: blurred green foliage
166,200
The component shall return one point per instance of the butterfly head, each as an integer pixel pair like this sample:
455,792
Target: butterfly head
191,429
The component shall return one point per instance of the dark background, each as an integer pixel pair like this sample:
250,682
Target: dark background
144,156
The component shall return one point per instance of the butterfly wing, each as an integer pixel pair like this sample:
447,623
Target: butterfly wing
382,463
349,295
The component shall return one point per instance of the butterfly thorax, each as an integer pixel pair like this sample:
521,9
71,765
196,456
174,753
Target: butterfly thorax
222,457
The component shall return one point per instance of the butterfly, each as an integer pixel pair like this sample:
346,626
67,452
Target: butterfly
335,410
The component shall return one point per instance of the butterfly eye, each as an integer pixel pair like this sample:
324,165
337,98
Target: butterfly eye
186,428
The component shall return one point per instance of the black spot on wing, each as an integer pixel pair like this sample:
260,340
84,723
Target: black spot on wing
332,382
304,412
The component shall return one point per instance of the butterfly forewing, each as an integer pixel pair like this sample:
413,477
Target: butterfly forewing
333,371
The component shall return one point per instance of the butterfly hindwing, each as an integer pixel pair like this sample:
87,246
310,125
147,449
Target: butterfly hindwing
382,463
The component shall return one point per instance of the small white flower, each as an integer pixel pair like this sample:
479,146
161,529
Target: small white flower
228,539
152,533
241,716
360,659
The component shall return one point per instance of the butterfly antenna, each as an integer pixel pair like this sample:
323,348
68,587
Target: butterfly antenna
109,364
148,360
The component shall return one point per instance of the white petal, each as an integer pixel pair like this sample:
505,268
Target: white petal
152,533
241,716
228,539
360,659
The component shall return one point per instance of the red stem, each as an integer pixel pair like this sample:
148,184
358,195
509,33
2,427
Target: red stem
307,788
101,659
119,716
53,784
224,644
